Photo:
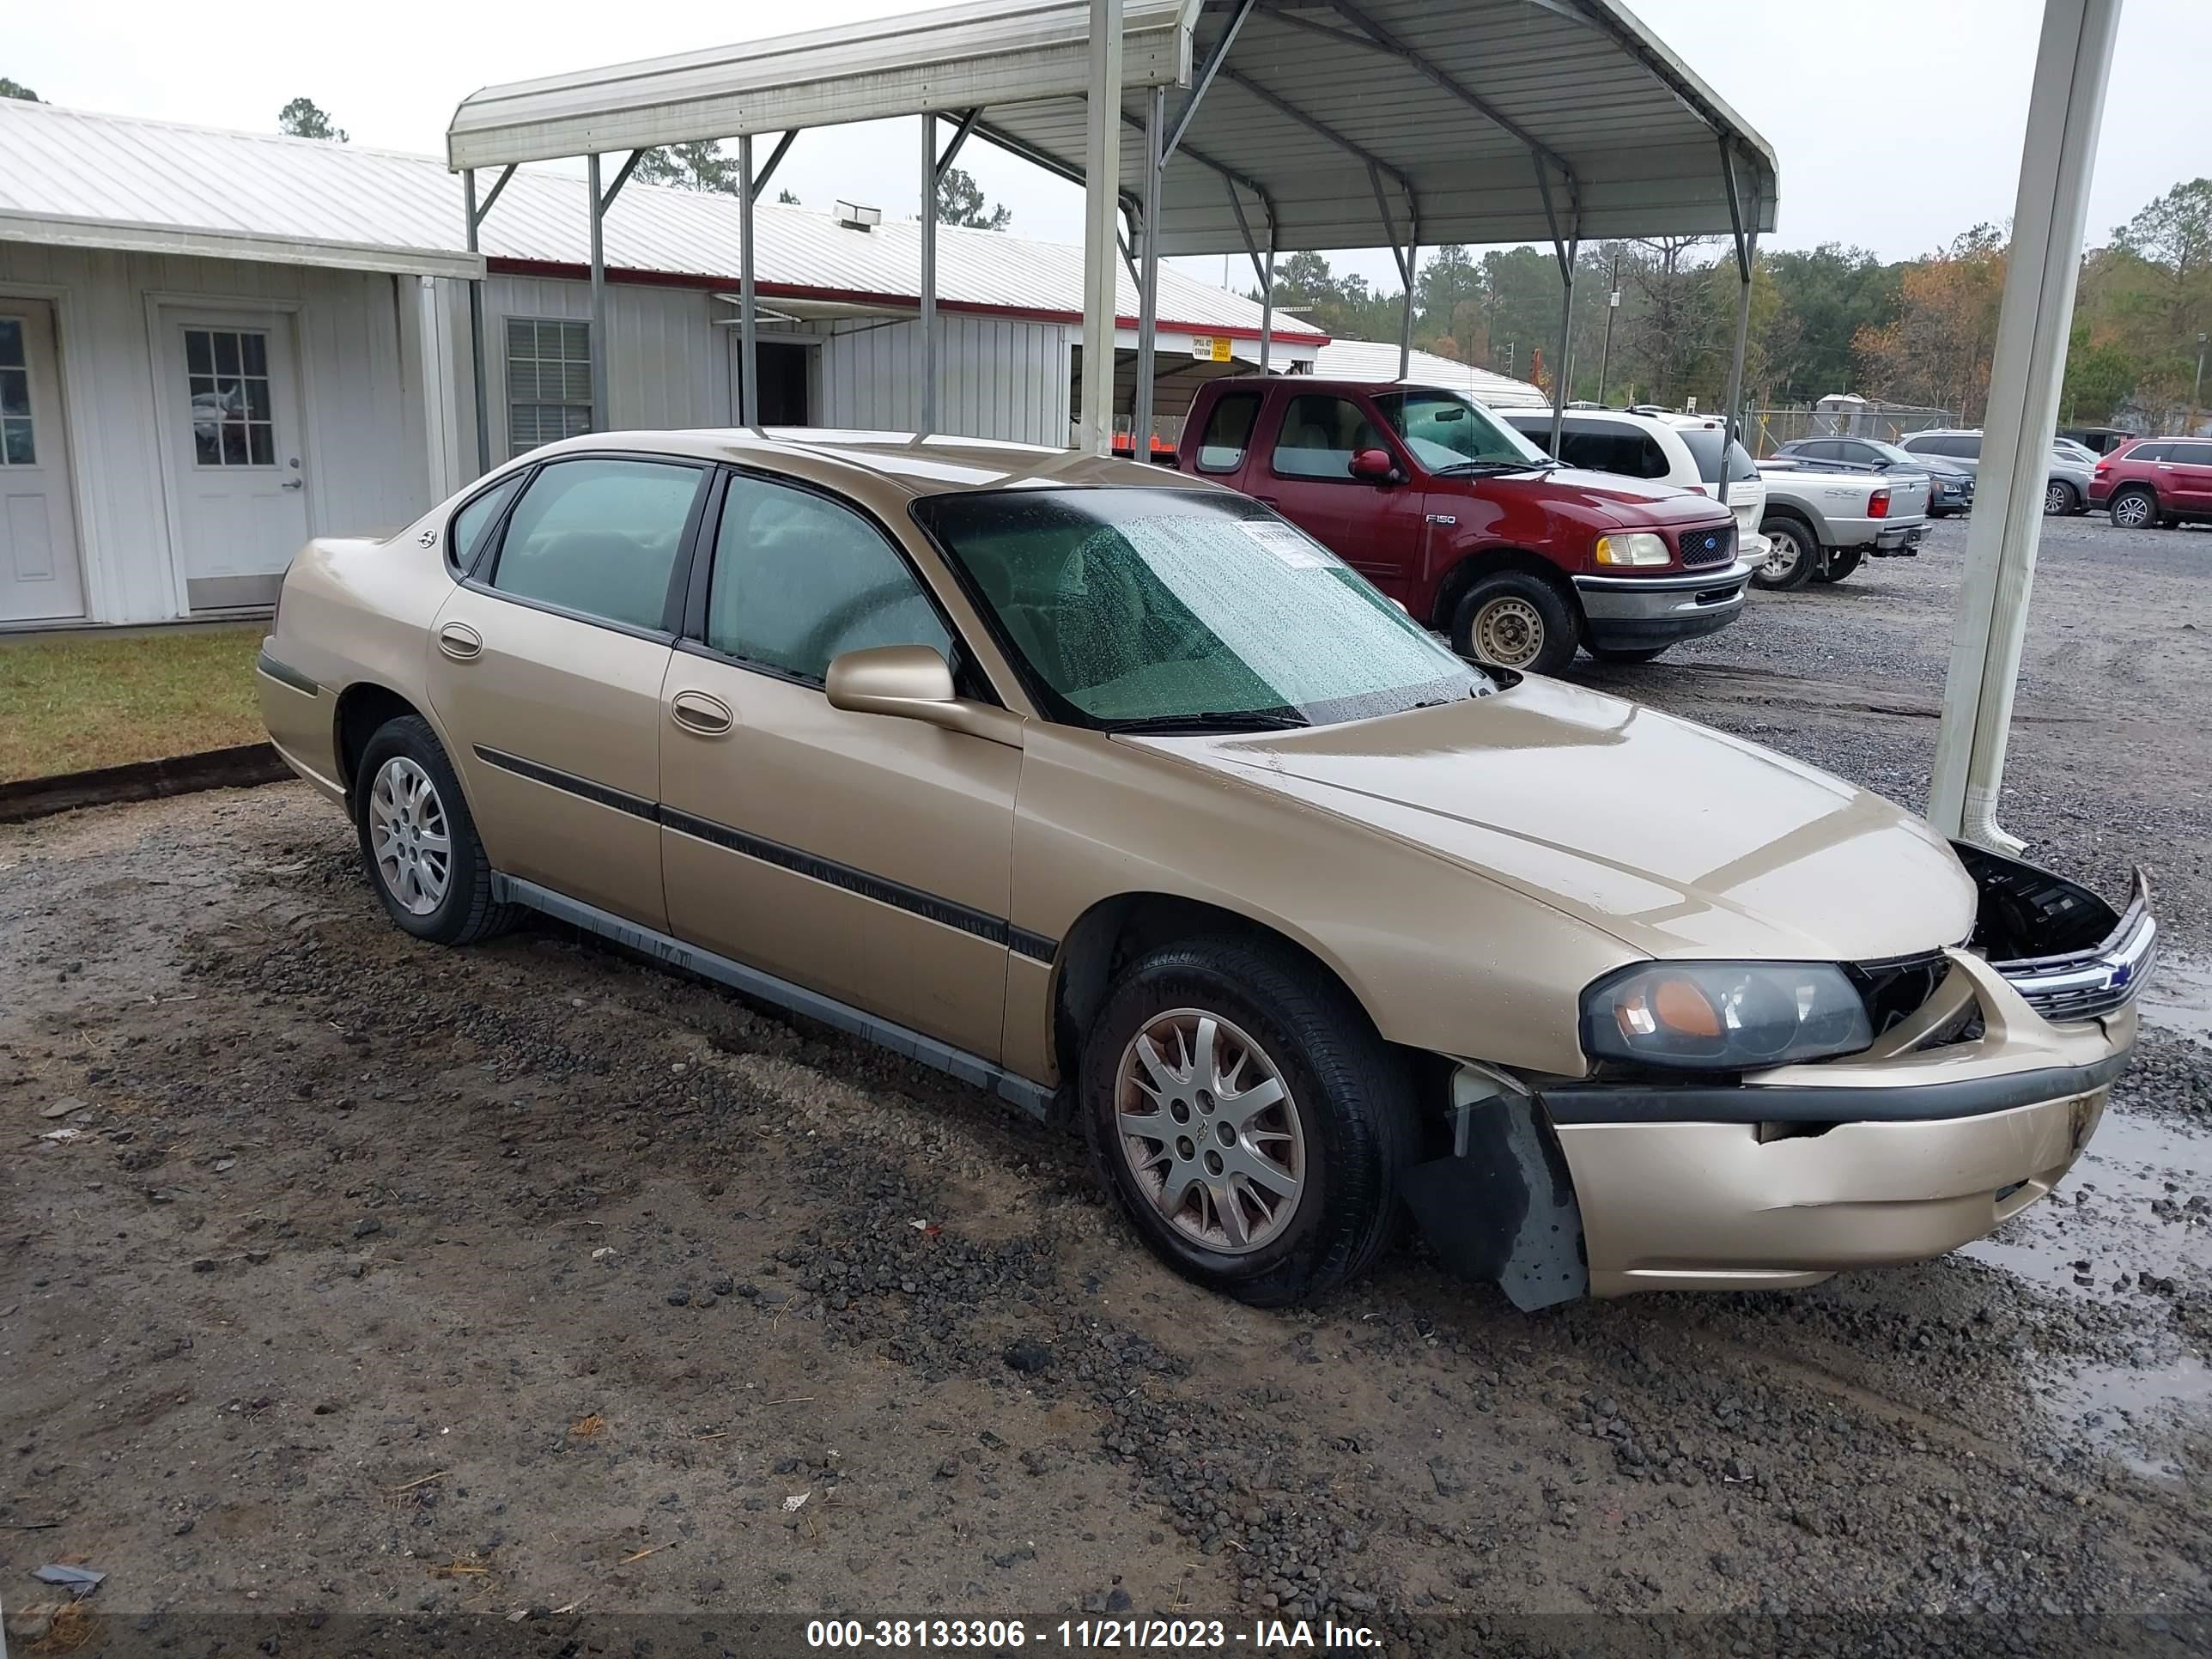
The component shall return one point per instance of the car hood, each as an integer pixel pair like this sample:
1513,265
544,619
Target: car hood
1628,503
1677,839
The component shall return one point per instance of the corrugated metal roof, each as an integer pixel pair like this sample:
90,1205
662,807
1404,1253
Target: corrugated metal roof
121,182
1371,360
1447,102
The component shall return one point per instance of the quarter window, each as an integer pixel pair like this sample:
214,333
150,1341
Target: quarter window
798,580
18,447
549,382
1228,433
599,538
1630,455
227,375
1320,437
470,523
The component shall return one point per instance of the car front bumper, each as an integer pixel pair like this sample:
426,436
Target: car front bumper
1788,1175
1626,612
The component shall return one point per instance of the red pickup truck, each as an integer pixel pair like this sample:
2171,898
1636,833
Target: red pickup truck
1470,526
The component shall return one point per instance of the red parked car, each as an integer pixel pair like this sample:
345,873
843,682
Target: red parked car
1470,526
2154,481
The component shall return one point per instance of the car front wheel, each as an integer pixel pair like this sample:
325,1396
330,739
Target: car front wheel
1511,619
418,840
1247,1119
2134,509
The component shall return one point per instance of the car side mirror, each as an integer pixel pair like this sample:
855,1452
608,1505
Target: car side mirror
1375,466
914,682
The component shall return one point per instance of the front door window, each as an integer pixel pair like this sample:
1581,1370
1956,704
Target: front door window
233,418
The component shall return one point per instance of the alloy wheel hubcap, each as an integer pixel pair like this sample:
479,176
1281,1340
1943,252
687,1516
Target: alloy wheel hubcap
2133,511
1509,632
2055,498
408,836
1782,556
1210,1131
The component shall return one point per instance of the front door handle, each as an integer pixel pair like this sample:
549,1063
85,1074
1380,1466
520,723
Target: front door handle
695,711
460,641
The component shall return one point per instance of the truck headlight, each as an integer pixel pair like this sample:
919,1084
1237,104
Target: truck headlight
1632,547
1723,1016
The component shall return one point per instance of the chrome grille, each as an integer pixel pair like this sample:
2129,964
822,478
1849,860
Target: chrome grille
1704,547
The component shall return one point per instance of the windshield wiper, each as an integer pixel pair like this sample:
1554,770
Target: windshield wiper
1213,720
1495,467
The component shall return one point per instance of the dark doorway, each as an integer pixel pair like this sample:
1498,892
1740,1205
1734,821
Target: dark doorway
782,384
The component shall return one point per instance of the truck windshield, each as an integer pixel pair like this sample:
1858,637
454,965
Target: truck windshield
1444,431
1704,442
1157,609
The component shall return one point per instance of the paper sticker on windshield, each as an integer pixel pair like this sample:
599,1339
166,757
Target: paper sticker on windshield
1286,544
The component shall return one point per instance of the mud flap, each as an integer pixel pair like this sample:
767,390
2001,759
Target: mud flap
1501,1205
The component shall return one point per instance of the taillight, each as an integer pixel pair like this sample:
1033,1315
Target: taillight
1877,507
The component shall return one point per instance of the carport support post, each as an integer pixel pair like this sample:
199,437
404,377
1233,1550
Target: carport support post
477,333
1405,319
1267,307
928,273
1563,365
599,412
1101,193
1148,281
748,319
2065,106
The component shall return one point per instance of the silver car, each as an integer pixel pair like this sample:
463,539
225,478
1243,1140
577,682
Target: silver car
2066,490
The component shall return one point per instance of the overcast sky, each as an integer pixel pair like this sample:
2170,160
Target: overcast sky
1898,123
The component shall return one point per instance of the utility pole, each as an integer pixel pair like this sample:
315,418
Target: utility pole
1612,309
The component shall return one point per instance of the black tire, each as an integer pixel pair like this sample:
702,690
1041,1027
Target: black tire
1629,653
1352,1093
2134,508
1515,605
1792,559
2060,499
1841,562
466,913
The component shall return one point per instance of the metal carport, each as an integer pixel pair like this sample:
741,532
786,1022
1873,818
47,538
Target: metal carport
1263,127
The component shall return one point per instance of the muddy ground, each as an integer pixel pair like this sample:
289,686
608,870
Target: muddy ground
382,1280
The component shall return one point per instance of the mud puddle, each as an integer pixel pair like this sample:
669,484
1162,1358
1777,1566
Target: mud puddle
2179,996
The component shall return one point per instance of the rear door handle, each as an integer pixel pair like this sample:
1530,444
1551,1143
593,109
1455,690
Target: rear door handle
460,641
695,711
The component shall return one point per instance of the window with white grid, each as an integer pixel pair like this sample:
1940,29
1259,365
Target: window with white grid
548,381
227,375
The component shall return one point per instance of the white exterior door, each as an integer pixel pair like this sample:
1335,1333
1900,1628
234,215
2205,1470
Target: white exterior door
231,392
40,576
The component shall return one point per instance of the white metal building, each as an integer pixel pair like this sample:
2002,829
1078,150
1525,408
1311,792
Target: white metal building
215,344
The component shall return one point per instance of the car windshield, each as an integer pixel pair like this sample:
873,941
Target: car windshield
1704,442
1166,608
1444,430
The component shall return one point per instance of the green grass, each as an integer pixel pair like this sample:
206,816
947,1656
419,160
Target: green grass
67,705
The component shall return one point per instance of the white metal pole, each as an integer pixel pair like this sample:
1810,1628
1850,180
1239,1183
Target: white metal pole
748,317
1148,280
1560,366
1102,187
476,333
600,411
2073,63
1731,403
1406,316
1267,307
928,274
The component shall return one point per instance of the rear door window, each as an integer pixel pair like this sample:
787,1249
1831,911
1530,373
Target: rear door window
1228,433
2147,452
599,538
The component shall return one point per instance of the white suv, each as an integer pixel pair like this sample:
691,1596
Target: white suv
1681,450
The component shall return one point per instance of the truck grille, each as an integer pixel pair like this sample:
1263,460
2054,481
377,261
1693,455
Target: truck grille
1702,547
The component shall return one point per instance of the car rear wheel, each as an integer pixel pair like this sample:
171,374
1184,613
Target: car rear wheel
1792,554
1247,1119
2134,509
1511,619
2059,499
419,842
1840,563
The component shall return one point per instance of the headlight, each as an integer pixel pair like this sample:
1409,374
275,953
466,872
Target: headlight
1635,547
1723,1016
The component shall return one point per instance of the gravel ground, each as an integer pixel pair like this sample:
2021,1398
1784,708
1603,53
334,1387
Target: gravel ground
383,1280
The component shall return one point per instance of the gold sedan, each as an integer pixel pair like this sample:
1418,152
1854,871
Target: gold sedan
1106,789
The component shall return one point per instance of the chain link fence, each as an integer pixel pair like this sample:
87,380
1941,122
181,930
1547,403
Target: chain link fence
1887,423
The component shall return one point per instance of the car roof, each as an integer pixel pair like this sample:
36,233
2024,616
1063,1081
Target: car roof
884,465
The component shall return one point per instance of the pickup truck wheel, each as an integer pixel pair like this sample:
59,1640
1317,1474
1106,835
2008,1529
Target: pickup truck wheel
2059,499
1247,1120
1841,562
2134,509
1511,619
1793,553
